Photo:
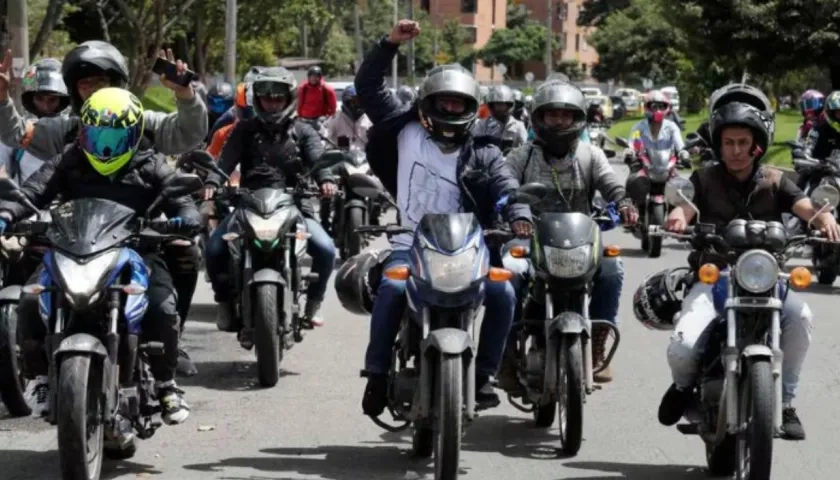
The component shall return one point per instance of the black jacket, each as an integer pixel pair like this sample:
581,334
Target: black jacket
822,140
483,176
70,176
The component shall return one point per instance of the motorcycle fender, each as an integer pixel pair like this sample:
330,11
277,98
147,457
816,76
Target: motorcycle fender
356,203
267,275
11,294
566,323
451,341
81,343
752,351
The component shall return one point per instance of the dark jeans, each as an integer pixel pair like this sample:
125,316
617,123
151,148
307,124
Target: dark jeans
390,304
183,262
160,324
320,247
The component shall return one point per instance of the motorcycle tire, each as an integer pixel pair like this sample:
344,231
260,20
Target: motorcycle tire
353,243
827,276
720,459
657,217
79,383
12,384
570,379
756,400
449,404
266,313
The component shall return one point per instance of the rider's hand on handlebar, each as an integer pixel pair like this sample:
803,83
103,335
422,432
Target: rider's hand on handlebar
828,227
675,224
209,192
522,228
328,189
629,215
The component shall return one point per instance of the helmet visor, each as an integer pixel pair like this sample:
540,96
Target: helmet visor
270,89
108,143
813,103
219,105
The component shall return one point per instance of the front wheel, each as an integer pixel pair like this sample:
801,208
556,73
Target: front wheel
79,413
354,219
571,396
755,442
827,275
266,337
449,408
12,383
657,217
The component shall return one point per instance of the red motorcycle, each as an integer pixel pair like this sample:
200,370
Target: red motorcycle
649,173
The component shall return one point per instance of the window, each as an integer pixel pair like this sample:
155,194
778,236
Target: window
468,6
424,4
470,34
562,11
561,41
577,42
493,20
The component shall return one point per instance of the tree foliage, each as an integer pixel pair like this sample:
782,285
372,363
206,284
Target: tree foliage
523,40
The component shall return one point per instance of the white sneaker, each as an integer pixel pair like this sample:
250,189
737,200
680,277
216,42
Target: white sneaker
37,395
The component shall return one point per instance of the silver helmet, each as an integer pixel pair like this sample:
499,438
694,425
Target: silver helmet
448,128
558,95
275,81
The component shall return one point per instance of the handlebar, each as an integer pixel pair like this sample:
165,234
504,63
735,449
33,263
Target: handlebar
689,234
391,230
231,192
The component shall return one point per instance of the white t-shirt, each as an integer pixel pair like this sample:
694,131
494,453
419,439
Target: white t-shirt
426,180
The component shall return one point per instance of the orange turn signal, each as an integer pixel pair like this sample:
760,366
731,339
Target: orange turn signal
397,273
612,251
499,274
800,277
709,274
518,251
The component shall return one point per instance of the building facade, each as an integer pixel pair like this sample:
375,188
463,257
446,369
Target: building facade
571,38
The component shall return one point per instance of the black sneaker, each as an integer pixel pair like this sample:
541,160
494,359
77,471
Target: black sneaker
375,398
673,405
485,395
791,425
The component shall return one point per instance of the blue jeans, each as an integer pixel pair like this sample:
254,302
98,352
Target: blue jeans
320,247
606,289
390,304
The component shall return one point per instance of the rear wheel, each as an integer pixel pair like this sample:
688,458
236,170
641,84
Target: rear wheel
353,241
827,275
12,383
657,217
449,408
79,412
570,399
266,336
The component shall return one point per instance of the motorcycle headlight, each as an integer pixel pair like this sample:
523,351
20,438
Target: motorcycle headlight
568,263
82,279
266,229
450,273
756,271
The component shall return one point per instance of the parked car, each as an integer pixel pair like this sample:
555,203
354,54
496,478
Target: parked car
631,98
592,92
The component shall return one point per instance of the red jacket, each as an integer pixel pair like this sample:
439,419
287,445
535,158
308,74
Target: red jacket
316,101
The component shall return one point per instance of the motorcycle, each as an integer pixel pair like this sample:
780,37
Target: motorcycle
737,408
432,378
553,349
598,135
647,190
92,300
267,242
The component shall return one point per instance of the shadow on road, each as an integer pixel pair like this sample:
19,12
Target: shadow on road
633,471
30,464
329,462
227,376
515,437
202,312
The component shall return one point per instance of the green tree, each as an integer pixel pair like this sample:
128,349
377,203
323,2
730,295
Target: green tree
513,46
46,36
572,69
595,12
338,53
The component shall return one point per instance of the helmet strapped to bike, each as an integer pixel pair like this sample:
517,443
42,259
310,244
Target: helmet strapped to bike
741,115
272,85
448,104
659,298
44,78
358,279
657,106
557,95
91,59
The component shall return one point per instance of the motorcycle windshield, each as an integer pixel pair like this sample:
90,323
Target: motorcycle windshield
88,226
266,200
448,232
566,230
659,159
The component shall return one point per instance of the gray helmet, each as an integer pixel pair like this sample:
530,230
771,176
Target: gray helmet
44,76
252,73
406,94
563,96
743,93
274,81
453,80
501,94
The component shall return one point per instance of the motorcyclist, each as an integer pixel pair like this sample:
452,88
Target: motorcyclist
739,187
266,149
431,142
501,124
811,105
232,114
316,100
519,111
573,171
220,99
406,94
111,159
243,109
655,131
824,137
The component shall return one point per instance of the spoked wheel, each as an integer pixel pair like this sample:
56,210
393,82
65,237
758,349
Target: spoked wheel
755,442
79,413
570,397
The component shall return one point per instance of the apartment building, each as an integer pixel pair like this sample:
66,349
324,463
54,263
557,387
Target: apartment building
478,17
571,37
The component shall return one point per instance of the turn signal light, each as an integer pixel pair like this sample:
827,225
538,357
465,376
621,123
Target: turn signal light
709,274
800,277
397,273
499,274
612,251
518,251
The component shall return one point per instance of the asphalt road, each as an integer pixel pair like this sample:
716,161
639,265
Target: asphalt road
310,426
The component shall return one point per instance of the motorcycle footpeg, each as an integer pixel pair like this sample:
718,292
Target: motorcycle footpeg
688,429
298,335
152,348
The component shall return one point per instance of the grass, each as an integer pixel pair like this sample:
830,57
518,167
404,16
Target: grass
159,99
778,154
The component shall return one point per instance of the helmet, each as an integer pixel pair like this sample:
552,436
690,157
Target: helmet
657,106
90,59
501,94
739,92
112,127
658,299
252,73
44,76
358,279
558,77
406,94
244,101
832,106
446,127
743,115
484,91
350,103
316,70
558,95
518,98
274,82
812,101
220,97
529,102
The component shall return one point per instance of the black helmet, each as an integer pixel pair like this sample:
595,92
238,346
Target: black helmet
358,279
742,93
89,59
44,76
275,81
558,95
447,128
316,70
742,115
406,94
658,299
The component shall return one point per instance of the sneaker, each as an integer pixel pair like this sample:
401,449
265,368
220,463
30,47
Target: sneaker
791,425
673,405
312,313
174,409
37,395
185,364
224,317
375,398
485,396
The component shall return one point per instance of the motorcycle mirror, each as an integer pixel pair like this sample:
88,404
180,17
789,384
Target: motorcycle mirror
365,185
622,142
181,184
679,191
825,196
530,193
9,190
609,153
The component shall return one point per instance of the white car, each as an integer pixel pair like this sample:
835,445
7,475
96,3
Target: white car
674,96
591,92
339,90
